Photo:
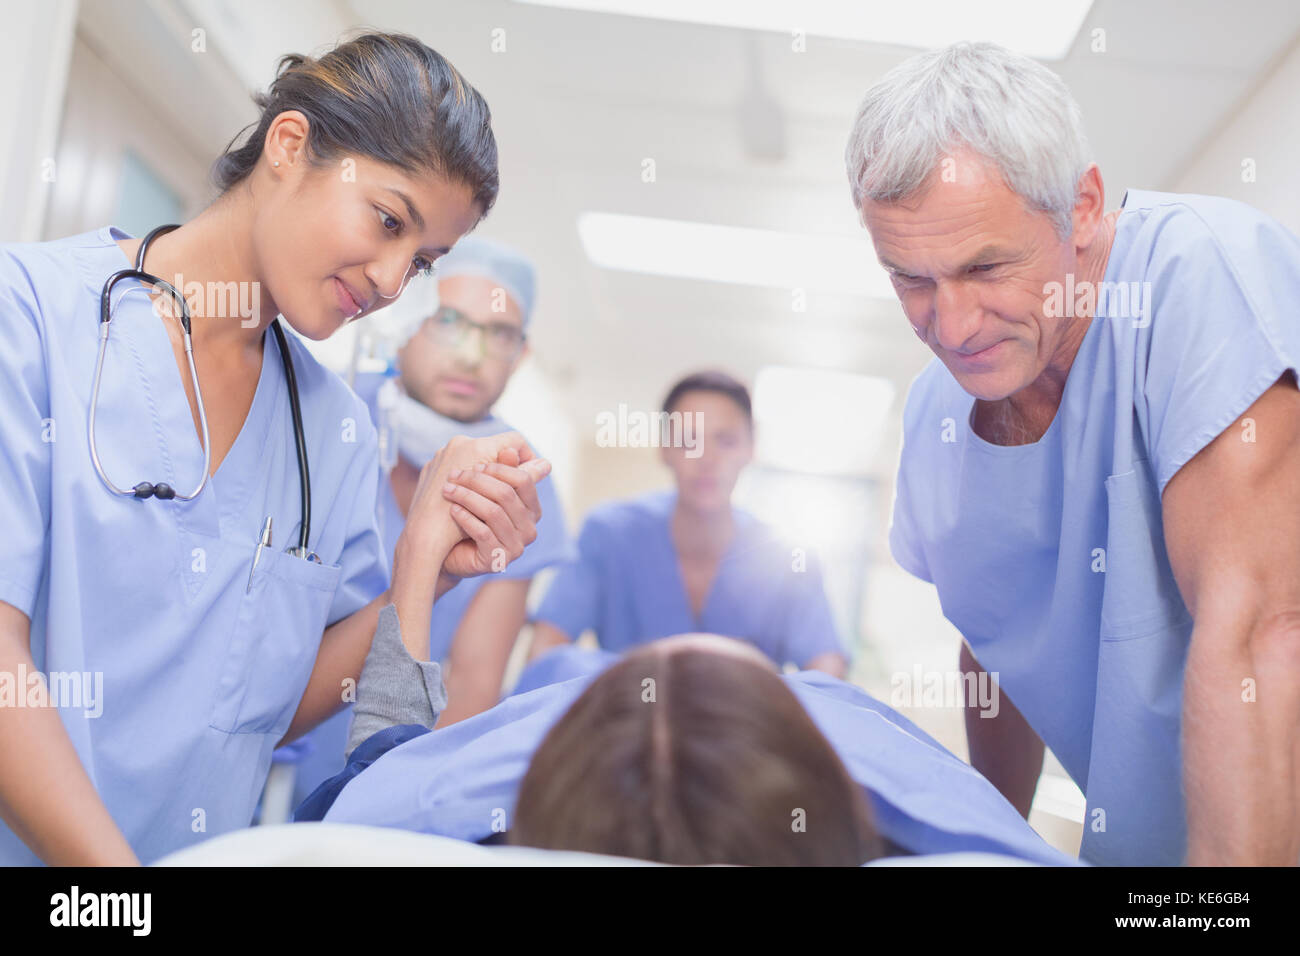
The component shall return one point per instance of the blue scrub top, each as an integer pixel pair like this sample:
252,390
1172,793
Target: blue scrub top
627,586
462,781
319,754
1050,557
199,678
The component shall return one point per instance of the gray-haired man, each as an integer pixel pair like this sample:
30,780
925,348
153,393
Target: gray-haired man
1098,470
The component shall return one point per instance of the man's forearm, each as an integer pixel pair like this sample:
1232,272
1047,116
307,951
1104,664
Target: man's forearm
1241,749
1004,748
830,662
545,637
468,696
481,647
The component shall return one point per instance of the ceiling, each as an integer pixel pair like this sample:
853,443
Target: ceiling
581,99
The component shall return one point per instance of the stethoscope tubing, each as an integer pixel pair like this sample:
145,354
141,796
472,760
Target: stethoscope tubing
145,490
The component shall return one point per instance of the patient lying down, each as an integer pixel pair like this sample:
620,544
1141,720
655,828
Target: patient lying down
689,750
692,750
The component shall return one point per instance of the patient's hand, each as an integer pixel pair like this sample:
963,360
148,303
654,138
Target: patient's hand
431,532
495,517
428,520
495,505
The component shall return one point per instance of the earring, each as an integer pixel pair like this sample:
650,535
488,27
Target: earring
276,163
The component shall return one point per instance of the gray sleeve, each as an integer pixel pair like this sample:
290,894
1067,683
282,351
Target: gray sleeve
394,688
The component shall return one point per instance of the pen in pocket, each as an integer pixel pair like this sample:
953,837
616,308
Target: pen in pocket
263,542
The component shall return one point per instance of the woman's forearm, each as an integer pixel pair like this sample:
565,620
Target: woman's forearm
338,665
46,797
481,647
418,582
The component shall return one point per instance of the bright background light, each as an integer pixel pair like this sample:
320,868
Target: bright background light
758,257
820,422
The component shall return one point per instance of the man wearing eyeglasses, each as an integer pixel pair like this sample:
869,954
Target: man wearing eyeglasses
452,371
462,345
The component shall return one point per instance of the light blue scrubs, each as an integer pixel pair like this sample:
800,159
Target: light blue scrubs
462,781
319,755
199,679
1050,557
627,586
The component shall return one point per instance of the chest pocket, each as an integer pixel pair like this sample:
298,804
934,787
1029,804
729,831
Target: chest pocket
1135,770
1141,595
273,648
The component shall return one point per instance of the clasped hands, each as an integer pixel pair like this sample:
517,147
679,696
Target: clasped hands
474,511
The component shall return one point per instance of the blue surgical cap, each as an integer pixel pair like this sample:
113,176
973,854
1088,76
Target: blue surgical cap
503,264
472,255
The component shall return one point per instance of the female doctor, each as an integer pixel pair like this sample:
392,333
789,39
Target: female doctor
147,498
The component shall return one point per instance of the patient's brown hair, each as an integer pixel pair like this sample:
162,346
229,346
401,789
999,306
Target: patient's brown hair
690,756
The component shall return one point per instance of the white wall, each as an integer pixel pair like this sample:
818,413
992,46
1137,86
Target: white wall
1265,128
33,75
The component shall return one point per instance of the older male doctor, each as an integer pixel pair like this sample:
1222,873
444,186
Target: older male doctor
1101,469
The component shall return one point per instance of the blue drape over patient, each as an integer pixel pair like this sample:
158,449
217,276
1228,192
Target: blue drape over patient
461,781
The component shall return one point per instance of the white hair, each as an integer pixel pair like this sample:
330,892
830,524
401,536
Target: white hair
1009,109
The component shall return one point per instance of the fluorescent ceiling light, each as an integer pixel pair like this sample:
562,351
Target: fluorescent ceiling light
761,257
818,421
1033,27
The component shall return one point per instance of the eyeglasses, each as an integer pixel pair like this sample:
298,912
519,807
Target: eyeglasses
499,340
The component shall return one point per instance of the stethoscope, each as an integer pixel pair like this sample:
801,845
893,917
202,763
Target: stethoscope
162,490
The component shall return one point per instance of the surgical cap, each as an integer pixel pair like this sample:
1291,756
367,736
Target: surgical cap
472,255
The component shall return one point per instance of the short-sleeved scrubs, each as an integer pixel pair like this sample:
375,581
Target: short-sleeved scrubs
627,586
1050,557
199,678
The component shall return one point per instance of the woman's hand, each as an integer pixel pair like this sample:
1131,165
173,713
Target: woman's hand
429,530
431,533
495,505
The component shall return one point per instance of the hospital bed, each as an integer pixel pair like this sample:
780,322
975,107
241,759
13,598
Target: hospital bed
347,844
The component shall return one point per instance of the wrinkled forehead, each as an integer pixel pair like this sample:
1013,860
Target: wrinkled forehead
958,219
957,183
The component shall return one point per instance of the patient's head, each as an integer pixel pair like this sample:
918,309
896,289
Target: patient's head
692,750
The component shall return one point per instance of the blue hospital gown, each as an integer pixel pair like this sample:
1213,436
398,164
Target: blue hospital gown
1049,558
200,680
462,781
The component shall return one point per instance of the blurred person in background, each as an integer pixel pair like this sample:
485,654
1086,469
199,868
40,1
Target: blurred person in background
686,560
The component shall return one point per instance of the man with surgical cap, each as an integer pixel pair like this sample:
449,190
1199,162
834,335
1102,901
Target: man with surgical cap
464,333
